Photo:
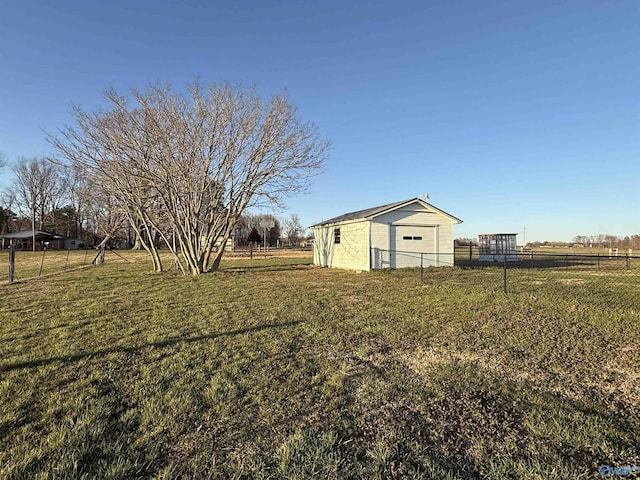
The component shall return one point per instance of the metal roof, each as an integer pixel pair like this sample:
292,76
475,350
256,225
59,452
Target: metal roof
24,234
375,211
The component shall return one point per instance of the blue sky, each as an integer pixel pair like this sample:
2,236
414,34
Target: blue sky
511,115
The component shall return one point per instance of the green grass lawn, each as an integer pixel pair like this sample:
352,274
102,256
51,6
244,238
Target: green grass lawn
272,368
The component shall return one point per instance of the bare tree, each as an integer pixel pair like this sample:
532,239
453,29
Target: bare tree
266,224
185,166
81,193
38,187
26,172
293,229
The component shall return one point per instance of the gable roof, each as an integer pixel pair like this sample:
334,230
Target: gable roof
370,213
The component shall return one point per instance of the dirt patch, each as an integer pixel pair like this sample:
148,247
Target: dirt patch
571,281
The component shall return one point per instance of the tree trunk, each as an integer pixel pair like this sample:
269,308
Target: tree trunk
103,243
157,262
137,245
216,260
33,228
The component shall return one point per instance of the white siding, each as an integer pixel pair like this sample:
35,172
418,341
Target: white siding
351,253
445,248
412,214
380,245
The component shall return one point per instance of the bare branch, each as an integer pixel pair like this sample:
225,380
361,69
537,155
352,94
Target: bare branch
186,166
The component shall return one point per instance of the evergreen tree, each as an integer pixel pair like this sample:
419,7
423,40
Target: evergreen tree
254,236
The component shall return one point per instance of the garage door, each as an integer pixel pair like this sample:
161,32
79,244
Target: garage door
412,246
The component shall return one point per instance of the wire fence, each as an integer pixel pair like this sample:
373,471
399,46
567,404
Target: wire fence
530,271
28,264
610,274
381,259
525,271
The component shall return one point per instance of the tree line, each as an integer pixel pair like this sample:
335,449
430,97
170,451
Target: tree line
595,241
267,229
179,170
50,197
608,241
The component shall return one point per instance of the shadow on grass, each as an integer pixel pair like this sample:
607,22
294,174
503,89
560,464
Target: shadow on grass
549,261
267,268
159,344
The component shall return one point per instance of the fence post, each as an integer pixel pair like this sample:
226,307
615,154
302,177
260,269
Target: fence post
598,261
421,267
504,261
42,261
628,261
12,260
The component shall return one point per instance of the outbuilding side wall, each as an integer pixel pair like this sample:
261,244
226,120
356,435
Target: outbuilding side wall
445,240
351,253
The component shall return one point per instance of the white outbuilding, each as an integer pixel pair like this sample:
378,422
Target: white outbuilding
410,233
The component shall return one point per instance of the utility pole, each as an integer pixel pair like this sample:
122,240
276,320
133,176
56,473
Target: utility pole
267,224
12,259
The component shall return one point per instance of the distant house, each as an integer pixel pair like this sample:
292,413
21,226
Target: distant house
498,247
23,240
229,246
409,233
74,244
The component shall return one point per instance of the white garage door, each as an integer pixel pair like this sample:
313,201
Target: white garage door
412,246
